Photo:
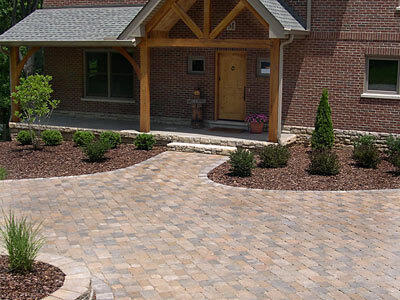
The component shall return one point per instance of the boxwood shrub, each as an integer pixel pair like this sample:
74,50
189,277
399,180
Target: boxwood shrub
52,137
242,163
365,153
274,156
82,138
96,150
3,173
113,138
324,162
145,141
25,138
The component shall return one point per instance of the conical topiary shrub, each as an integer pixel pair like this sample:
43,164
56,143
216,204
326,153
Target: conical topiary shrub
323,137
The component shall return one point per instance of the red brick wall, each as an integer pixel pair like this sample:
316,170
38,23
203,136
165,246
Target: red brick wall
66,3
343,34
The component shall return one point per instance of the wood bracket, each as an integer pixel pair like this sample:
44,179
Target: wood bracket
131,60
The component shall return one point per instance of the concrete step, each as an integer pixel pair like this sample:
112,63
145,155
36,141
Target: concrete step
201,148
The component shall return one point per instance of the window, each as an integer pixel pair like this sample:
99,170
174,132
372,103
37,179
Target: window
196,65
108,75
382,75
263,67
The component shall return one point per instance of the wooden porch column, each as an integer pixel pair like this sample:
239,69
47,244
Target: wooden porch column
144,87
14,80
274,91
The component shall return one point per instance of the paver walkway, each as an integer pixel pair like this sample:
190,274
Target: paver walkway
158,230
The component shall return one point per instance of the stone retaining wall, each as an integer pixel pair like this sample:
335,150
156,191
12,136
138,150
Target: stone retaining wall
342,137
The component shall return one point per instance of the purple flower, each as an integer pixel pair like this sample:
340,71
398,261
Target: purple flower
256,118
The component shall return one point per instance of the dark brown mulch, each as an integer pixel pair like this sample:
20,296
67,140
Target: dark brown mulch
65,160
44,280
296,177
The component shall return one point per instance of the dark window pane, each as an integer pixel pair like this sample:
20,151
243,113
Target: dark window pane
96,74
122,86
265,67
97,86
96,62
120,65
383,75
198,65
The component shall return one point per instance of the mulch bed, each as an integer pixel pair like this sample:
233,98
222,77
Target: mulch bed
296,177
43,281
65,160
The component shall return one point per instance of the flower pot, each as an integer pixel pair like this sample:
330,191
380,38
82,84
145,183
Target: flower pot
256,127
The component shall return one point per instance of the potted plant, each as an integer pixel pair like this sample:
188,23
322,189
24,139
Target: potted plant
256,122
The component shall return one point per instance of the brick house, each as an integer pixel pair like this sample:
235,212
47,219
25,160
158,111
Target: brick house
146,58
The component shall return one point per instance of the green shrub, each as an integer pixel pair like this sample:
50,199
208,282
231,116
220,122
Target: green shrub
113,138
24,137
52,137
96,150
365,153
22,240
323,137
3,173
393,146
81,138
242,163
145,141
395,161
324,163
274,156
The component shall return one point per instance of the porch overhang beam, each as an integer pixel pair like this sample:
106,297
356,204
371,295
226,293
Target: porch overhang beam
206,43
187,20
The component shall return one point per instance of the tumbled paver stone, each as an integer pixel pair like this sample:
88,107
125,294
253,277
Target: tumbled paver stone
162,230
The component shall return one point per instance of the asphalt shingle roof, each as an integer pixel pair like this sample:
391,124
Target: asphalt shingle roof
72,24
284,17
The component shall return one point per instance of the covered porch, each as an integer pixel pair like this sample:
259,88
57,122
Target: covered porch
150,27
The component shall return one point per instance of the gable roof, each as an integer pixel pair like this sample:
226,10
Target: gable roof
80,26
280,19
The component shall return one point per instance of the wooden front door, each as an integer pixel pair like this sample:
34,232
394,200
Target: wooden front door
231,85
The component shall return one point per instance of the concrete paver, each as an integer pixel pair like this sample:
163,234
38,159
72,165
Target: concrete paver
158,230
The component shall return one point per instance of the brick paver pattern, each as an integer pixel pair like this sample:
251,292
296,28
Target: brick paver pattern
158,230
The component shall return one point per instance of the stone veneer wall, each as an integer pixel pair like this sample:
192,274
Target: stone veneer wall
342,137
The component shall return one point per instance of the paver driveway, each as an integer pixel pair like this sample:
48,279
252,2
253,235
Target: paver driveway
158,230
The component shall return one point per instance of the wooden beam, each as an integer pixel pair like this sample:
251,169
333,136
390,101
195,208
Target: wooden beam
169,17
207,18
14,80
131,60
274,91
256,14
160,15
144,87
227,20
199,43
28,55
187,20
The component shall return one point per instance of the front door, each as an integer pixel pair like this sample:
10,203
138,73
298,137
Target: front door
231,85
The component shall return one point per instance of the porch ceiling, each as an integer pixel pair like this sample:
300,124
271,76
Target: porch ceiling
280,19
88,26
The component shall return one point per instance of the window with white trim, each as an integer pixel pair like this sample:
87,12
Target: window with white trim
108,75
383,76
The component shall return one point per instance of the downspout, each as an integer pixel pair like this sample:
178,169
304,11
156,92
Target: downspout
283,44
309,14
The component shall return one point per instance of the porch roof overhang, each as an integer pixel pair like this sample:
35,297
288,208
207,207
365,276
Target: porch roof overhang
73,27
280,19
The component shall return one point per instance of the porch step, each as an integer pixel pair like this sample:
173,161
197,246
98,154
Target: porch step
227,124
201,148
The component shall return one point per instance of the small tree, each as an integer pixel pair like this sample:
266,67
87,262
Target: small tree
323,137
34,97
